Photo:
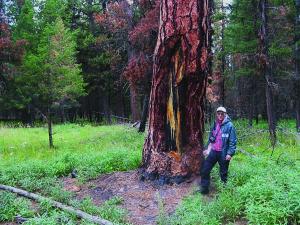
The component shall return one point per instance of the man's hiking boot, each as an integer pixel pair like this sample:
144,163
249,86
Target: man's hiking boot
204,190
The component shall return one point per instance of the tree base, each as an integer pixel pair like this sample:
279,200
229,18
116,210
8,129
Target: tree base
171,167
162,179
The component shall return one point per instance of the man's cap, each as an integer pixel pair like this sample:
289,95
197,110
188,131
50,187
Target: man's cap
221,109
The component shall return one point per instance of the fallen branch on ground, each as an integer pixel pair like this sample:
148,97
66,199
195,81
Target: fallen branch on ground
38,198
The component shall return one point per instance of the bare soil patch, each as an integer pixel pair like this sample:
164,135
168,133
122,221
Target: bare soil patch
141,198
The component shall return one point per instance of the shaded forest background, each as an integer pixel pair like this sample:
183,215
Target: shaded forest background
71,60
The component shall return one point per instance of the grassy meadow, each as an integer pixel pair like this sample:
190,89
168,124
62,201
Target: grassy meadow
263,189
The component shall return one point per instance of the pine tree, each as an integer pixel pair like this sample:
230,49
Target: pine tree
26,27
241,46
52,75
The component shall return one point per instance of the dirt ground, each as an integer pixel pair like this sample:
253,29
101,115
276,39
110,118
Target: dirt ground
141,198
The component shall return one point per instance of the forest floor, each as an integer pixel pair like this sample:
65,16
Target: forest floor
261,190
145,201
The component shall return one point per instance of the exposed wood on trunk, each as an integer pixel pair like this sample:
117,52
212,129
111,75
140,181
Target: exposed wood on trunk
264,61
176,109
38,198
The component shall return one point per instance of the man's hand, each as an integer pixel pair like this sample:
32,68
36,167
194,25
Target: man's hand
205,153
228,157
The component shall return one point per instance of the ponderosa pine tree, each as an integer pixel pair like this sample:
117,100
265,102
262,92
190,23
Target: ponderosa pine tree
176,115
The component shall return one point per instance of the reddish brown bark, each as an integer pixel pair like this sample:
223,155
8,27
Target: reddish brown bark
181,65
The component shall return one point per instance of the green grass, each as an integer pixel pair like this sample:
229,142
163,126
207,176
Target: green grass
261,190
84,148
20,144
27,162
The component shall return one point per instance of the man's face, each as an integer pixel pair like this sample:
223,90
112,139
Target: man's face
220,116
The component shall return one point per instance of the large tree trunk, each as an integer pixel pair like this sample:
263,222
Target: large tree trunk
297,67
176,112
264,60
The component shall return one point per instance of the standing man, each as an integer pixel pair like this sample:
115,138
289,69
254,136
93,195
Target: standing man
222,140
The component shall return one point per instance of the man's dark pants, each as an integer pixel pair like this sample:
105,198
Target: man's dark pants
210,161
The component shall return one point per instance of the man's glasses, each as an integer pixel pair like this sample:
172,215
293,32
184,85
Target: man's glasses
220,113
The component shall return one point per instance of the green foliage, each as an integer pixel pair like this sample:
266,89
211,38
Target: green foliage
102,149
109,210
261,190
88,149
241,32
26,27
52,217
51,11
53,70
11,205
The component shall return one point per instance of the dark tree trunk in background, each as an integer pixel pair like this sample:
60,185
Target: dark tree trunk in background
297,66
223,62
120,107
106,107
27,116
63,118
264,61
134,103
250,112
176,111
49,121
104,5
252,96
144,113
